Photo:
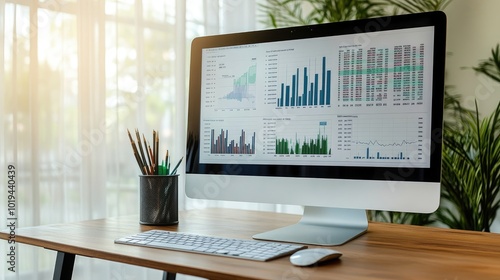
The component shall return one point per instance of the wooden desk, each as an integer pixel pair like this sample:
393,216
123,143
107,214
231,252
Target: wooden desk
386,251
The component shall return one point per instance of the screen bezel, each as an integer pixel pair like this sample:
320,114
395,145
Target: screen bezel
362,27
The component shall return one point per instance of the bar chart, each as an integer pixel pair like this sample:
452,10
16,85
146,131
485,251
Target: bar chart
222,143
306,86
382,155
304,143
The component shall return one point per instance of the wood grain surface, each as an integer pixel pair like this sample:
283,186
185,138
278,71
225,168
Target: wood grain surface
386,251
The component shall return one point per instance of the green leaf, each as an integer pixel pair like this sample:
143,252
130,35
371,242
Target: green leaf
471,172
491,66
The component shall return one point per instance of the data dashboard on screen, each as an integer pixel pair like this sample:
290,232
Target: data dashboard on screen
343,100
338,118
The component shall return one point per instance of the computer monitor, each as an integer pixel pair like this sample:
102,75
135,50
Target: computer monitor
338,117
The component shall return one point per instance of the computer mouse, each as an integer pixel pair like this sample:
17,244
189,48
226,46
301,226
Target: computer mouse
307,257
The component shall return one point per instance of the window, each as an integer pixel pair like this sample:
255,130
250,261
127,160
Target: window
76,75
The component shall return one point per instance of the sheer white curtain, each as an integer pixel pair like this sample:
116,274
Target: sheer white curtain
77,74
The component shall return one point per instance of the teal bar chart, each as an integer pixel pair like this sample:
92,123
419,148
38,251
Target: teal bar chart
308,89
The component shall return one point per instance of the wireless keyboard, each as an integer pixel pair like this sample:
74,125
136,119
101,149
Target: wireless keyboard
219,246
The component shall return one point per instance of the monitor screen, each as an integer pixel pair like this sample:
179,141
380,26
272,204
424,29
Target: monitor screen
340,115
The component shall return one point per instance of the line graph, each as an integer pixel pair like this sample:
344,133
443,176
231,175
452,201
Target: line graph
243,86
230,81
377,143
388,137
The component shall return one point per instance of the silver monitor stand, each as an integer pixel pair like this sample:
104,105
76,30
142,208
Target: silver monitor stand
321,226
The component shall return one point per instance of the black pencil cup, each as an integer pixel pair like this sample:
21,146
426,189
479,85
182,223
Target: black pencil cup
159,200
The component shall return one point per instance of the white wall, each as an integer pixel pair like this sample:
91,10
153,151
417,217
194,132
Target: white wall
473,30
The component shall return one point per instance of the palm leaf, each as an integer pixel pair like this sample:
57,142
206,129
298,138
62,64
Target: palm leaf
491,66
471,172
418,6
283,13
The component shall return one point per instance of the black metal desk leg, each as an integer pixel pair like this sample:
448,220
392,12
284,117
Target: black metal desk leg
64,266
168,275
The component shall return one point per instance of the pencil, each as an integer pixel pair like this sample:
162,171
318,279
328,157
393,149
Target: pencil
175,168
140,147
136,155
146,146
167,164
153,165
157,143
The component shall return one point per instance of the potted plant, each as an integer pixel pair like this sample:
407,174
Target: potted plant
471,163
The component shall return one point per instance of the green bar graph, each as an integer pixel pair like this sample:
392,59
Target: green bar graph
305,146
